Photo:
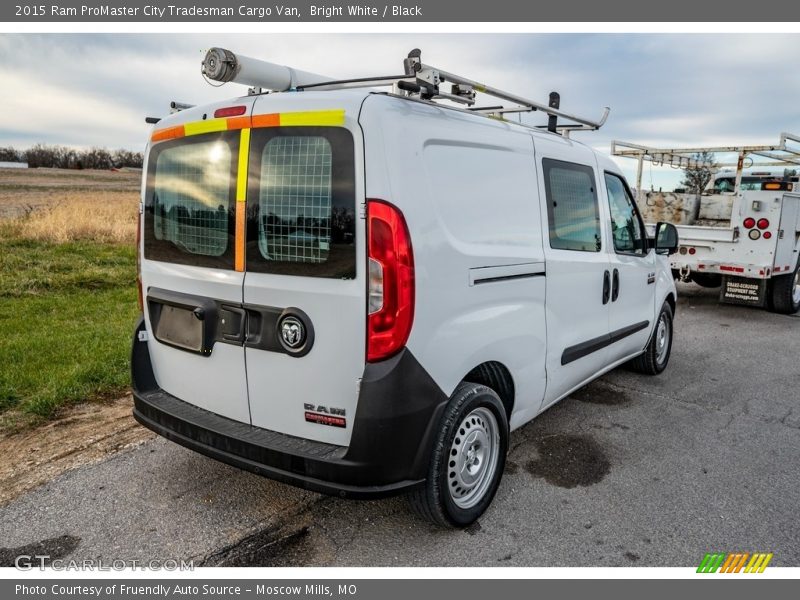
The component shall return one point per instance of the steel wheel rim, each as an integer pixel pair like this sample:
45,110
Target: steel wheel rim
473,458
796,289
662,339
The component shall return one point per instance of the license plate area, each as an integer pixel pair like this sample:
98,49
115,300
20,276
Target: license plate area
183,321
180,327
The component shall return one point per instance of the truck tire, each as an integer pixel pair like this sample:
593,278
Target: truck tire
785,293
468,459
655,357
707,280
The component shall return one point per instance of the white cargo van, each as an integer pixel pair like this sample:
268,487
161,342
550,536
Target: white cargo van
363,293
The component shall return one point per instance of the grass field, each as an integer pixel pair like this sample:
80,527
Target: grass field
67,291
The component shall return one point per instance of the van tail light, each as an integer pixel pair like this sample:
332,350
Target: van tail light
749,223
139,292
391,281
763,223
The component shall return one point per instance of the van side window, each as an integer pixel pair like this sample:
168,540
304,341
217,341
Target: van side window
626,224
189,201
572,207
301,202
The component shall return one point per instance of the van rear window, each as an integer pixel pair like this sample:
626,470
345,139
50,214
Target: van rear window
301,202
189,203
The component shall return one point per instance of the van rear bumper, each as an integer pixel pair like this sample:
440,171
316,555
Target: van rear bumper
394,428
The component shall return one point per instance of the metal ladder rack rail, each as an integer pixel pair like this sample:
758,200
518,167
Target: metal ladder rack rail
780,154
419,80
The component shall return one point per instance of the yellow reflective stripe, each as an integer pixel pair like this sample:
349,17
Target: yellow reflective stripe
329,118
207,126
767,558
244,153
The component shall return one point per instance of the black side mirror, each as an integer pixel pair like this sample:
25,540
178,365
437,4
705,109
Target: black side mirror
666,238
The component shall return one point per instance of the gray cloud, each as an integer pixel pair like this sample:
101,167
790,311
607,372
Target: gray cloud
687,89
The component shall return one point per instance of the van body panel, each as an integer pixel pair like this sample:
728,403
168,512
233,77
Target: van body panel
634,304
441,174
216,382
576,315
283,388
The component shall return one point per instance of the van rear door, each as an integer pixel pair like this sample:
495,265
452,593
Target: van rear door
304,287
192,291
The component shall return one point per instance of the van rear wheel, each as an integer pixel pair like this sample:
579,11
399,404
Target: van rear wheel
656,355
785,293
468,459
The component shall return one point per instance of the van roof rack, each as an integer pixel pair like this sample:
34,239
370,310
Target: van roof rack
780,154
418,81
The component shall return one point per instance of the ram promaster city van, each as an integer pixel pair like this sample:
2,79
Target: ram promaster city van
363,293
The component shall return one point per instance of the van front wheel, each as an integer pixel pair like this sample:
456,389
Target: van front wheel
655,357
468,459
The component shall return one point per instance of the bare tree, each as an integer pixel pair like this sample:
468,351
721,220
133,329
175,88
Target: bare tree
697,178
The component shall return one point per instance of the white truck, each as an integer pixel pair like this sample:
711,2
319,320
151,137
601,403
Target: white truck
742,234
363,292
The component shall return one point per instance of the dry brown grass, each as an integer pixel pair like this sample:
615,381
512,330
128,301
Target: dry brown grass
57,205
107,218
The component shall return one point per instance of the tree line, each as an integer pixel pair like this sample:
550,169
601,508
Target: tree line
64,157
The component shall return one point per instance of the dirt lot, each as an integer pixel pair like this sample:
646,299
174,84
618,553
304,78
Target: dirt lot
24,190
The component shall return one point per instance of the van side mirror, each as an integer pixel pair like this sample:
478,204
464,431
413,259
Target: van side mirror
666,238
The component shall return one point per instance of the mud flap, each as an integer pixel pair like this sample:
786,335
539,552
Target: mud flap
743,290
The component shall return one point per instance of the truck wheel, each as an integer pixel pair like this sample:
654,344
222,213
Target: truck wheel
707,280
785,293
655,357
468,459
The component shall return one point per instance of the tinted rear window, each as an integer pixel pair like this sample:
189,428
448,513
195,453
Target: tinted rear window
301,202
190,200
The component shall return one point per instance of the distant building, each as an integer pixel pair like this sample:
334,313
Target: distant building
13,165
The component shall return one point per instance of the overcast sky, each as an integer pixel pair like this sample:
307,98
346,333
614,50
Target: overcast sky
676,90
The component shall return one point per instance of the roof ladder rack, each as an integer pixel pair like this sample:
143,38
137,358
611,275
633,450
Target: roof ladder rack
418,81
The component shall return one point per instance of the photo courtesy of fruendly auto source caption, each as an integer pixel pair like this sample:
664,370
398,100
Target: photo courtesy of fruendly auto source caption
376,301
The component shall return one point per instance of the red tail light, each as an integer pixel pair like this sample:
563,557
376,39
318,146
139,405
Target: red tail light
763,223
767,235
749,223
139,292
229,111
391,281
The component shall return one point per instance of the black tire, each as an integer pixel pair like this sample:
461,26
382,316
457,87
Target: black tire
785,293
656,355
707,280
437,500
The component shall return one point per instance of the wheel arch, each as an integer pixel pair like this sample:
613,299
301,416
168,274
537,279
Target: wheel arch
495,375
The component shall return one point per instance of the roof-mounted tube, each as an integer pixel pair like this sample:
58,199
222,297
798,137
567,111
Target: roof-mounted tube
224,66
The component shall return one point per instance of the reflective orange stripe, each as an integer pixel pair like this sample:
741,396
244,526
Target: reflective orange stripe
170,133
270,120
238,123
241,200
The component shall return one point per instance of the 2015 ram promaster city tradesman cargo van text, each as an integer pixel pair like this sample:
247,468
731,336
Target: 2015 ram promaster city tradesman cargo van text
363,293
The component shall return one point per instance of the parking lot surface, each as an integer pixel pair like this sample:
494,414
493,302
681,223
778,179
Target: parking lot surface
630,471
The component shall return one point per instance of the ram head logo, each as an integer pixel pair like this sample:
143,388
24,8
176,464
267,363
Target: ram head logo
292,332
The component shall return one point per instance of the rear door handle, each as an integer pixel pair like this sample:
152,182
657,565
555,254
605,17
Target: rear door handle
606,287
232,323
615,286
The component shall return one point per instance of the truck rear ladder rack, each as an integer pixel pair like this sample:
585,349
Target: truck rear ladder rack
780,154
